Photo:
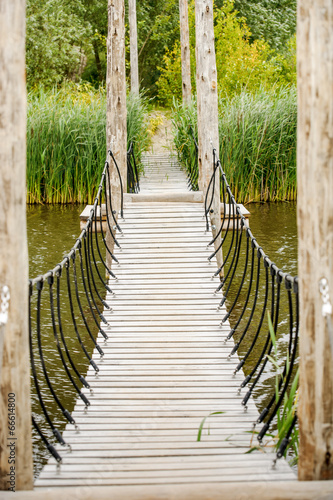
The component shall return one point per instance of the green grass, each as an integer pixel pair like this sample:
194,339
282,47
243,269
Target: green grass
66,142
257,143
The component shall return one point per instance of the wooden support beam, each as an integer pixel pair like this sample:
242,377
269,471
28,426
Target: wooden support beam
133,46
116,113
207,105
315,232
185,51
15,414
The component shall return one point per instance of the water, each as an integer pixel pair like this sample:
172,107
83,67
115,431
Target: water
52,231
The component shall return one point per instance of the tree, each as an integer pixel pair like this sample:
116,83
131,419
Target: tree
56,37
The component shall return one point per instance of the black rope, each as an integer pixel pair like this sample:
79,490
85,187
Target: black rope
55,431
91,361
65,412
268,338
78,300
121,186
56,338
78,374
48,445
90,261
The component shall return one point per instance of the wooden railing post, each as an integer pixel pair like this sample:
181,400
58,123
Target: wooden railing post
185,51
315,231
116,113
15,413
207,106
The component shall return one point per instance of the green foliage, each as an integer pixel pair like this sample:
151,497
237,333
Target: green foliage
55,40
271,20
257,143
242,63
66,142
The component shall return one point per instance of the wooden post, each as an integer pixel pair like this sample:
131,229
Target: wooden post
15,413
133,46
315,231
207,106
185,51
116,113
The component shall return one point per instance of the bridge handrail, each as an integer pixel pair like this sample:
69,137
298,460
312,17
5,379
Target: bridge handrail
88,249
277,274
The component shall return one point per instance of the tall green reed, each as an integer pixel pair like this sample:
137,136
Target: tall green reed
257,143
66,142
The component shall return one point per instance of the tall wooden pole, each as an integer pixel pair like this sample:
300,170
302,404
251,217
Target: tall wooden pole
315,231
116,113
185,51
15,414
133,46
207,106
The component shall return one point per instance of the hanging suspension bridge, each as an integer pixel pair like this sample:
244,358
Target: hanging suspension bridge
164,357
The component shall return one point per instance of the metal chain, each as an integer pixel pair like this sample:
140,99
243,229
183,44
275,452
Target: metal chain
327,308
5,297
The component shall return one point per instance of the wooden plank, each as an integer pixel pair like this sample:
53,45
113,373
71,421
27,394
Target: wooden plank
165,365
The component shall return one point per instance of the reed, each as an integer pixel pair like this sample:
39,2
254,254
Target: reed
66,142
257,143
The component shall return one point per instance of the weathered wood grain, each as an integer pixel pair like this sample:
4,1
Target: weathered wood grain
15,449
315,234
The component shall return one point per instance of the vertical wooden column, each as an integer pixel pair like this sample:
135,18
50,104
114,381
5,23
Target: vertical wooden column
315,230
116,113
185,51
15,413
207,105
133,46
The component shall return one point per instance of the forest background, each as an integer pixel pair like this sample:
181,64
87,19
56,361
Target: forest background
66,73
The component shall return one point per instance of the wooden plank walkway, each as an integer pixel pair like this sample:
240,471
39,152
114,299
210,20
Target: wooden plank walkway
165,365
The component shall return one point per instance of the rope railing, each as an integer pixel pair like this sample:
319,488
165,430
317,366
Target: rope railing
75,285
192,165
133,183
256,292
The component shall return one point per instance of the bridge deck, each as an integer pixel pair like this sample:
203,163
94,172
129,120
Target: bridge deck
165,366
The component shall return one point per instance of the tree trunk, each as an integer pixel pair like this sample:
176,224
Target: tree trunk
15,413
185,51
207,105
116,130
97,60
315,232
133,46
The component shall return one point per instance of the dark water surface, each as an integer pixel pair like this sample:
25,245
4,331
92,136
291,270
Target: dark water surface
52,231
